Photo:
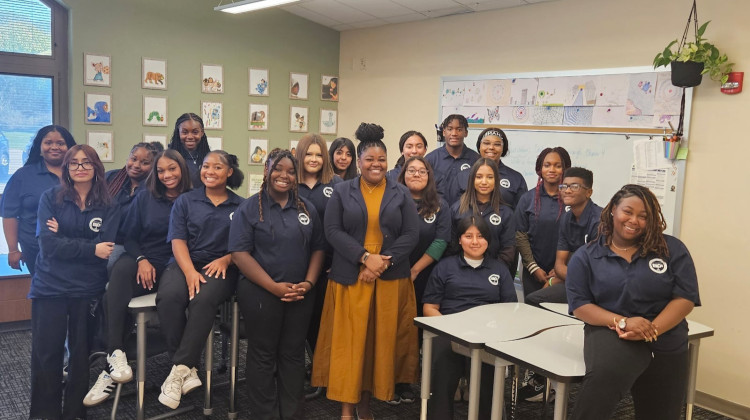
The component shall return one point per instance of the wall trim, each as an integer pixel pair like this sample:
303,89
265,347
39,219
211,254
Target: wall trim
721,406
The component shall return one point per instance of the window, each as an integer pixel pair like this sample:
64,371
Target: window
33,83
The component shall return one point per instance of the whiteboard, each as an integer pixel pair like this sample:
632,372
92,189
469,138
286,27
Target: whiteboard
609,155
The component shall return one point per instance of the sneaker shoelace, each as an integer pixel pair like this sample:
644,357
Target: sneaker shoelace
174,383
118,363
102,384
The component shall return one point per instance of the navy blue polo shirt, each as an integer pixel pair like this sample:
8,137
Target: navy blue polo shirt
147,225
124,199
456,286
204,226
642,287
21,200
283,242
447,168
502,226
574,233
319,194
67,265
542,229
512,184
437,226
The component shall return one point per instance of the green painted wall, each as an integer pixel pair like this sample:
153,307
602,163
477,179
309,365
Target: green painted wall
187,33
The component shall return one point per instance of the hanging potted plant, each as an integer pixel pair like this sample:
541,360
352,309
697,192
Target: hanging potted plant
694,59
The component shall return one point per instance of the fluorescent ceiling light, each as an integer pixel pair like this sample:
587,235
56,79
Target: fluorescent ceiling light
251,5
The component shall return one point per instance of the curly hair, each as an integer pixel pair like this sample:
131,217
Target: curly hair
271,162
652,240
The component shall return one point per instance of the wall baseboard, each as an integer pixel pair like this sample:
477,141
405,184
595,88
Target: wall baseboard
724,407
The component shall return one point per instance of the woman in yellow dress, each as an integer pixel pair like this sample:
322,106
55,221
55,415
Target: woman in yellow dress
367,341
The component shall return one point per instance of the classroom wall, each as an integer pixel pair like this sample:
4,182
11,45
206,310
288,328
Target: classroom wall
188,33
398,87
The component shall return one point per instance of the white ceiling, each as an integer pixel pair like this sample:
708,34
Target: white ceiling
342,15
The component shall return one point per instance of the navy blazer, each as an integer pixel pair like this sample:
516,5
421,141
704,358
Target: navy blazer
346,224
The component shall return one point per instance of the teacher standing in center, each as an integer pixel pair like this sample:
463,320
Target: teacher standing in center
367,341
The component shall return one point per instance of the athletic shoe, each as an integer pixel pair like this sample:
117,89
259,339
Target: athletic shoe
396,400
171,389
534,390
119,369
407,395
527,377
101,390
191,382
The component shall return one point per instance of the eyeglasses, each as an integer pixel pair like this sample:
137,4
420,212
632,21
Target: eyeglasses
573,187
74,166
412,172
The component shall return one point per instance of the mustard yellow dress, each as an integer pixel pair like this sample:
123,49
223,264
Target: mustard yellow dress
367,339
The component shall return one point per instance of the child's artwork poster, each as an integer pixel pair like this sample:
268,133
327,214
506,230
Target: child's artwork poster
96,70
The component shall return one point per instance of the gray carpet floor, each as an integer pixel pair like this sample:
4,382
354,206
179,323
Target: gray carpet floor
15,348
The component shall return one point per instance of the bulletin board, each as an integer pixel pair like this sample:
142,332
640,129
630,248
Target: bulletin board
611,121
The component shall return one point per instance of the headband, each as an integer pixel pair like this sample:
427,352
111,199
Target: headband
493,132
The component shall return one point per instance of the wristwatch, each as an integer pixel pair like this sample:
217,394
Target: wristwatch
621,324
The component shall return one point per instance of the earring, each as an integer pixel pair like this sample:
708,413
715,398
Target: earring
611,214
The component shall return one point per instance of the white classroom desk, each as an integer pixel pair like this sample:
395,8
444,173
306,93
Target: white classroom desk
696,331
475,327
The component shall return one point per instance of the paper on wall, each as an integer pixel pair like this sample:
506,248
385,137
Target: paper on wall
254,182
655,180
649,154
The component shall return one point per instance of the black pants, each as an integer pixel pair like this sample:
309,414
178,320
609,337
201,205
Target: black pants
447,368
614,366
30,252
530,283
276,333
186,335
551,294
121,288
321,286
51,320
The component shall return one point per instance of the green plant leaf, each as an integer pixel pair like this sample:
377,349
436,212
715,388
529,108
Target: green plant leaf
702,29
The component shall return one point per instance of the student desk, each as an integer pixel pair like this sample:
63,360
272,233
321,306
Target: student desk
475,327
696,331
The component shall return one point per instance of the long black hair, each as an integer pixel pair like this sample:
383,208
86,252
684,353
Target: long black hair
402,141
344,143
155,186
468,200
176,143
35,153
234,181
98,195
430,202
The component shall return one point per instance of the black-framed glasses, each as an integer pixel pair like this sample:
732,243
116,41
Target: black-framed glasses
74,166
412,172
573,187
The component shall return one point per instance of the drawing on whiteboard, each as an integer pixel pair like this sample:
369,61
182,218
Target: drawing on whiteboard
453,93
523,92
493,115
668,97
578,115
520,115
548,115
474,93
498,92
641,94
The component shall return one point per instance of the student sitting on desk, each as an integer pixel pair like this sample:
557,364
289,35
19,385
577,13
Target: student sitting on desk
458,283
633,288
578,226
455,157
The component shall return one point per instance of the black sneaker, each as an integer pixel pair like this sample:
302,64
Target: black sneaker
534,390
408,396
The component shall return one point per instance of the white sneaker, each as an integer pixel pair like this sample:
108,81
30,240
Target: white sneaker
101,390
171,389
191,382
119,369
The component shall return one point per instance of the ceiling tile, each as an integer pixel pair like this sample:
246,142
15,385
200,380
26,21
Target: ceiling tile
378,8
457,9
310,15
484,5
368,23
411,17
342,27
337,11
425,5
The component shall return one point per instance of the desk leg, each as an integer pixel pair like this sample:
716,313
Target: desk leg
561,401
426,367
498,390
209,359
140,363
514,391
475,376
233,360
693,347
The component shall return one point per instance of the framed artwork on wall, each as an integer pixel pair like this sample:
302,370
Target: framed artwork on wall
154,74
298,83
212,78
103,143
97,70
329,88
150,138
213,115
293,146
298,119
257,151
215,143
258,117
155,111
328,121
97,108
259,84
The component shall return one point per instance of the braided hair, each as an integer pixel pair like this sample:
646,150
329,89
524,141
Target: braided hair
119,180
565,158
271,162
652,239
176,143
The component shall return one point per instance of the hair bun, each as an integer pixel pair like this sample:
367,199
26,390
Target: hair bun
232,159
369,132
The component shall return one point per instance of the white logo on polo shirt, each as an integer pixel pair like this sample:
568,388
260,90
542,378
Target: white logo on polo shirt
95,224
302,217
430,219
328,192
231,215
504,183
657,265
465,166
494,279
495,219
567,209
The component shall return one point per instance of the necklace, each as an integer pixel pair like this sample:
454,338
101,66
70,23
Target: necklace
621,249
371,189
193,158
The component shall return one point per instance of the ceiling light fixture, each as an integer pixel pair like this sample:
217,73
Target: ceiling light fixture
251,5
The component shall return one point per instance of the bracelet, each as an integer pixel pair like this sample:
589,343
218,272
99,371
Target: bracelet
14,252
311,283
140,258
364,257
550,281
